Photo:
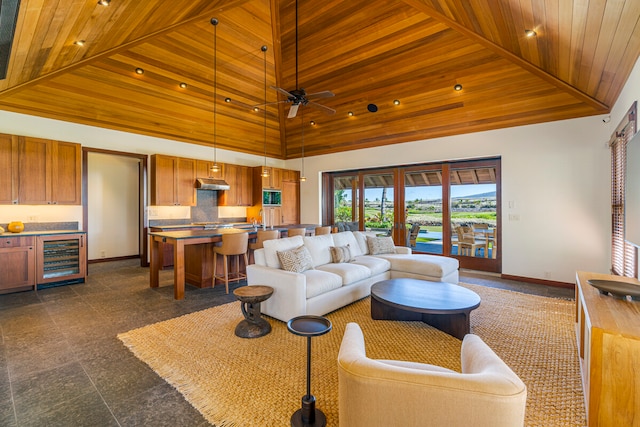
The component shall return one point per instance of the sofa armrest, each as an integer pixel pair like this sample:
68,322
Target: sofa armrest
289,298
403,250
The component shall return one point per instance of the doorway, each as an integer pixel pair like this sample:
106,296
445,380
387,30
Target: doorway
114,200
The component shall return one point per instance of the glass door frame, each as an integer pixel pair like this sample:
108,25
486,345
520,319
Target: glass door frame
399,228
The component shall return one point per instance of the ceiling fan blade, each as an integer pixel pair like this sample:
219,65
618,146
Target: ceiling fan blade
293,111
323,94
322,107
282,91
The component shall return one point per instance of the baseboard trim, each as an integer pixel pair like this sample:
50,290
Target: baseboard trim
119,258
539,281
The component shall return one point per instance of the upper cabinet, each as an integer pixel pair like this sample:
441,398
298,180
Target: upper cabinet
203,170
273,181
173,181
240,180
41,171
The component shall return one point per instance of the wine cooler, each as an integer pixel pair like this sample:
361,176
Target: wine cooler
61,259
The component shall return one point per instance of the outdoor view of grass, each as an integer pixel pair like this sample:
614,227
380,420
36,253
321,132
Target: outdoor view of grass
379,212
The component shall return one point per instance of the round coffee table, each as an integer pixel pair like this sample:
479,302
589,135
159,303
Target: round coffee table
250,297
442,305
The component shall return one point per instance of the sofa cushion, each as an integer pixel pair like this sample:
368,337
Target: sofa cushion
361,238
375,264
381,245
319,248
272,246
347,238
349,272
426,265
340,254
320,282
296,260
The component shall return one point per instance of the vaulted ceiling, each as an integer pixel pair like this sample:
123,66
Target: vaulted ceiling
364,51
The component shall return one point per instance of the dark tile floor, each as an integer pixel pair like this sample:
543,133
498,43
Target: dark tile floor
61,363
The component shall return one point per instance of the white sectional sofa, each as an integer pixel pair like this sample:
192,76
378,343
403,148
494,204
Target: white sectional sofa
317,279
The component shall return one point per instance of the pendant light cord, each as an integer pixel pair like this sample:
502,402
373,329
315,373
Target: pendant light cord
214,22
264,50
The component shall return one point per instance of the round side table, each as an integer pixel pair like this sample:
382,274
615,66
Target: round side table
250,297
308,326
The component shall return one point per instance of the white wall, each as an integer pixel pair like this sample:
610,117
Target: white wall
556,173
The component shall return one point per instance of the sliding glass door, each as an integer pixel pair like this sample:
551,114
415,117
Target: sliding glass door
447,208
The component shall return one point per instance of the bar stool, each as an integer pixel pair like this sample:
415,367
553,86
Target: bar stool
235,244
261,236
323,230
297,232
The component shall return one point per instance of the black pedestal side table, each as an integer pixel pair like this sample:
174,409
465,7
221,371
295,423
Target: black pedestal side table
309,326
250,297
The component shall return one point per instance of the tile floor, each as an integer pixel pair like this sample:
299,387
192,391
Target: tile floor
62,365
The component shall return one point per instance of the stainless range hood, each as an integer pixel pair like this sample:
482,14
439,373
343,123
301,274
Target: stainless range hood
211,184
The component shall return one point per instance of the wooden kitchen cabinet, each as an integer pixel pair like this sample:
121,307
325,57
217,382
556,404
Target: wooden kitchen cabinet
40,171
290,202
203,170
272,216
173,181
8,169
61,258
271,182
240,180
17,263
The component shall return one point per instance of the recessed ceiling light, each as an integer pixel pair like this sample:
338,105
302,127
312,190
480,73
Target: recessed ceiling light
256,109
139,70
396,102
350,113
104,2
79,42
227,100
530,33
183,85
312,123
458,87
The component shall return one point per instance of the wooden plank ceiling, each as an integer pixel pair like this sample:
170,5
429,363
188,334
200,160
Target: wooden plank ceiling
364,51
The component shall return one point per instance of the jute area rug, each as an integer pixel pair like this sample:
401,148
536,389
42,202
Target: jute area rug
259,382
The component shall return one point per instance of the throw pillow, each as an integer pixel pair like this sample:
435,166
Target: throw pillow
380,245
296,260
340,254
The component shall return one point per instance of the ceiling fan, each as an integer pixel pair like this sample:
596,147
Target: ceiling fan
299,97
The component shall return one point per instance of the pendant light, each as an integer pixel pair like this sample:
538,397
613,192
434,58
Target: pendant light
215,168
302,177
265,171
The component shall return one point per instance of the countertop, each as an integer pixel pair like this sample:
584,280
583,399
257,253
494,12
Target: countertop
40,233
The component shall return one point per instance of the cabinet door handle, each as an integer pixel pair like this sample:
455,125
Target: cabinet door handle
82,241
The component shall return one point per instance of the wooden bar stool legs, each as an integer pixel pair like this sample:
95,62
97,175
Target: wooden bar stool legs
233,245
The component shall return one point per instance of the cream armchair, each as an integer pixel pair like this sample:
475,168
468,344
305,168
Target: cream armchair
393,393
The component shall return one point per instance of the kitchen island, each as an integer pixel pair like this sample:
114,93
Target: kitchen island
192,254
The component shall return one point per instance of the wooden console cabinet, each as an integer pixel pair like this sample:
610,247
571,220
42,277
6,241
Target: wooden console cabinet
608,335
